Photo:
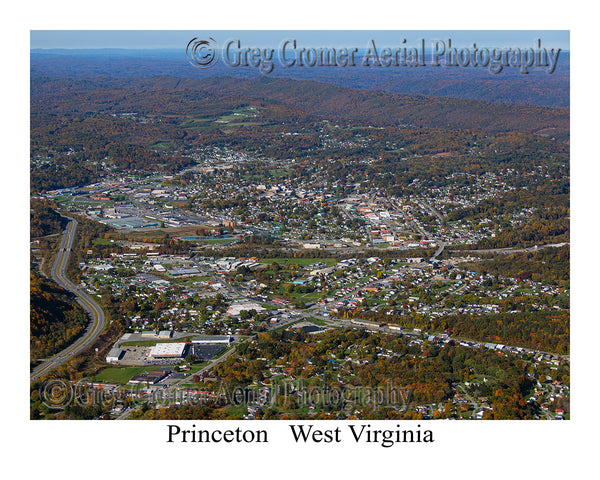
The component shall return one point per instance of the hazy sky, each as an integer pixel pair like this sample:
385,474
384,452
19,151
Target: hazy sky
310,38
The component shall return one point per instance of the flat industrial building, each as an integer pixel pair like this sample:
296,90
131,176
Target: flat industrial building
212,339
114,355
167,350
235,308
183,271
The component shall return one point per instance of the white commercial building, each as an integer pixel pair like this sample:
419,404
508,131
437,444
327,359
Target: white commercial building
167,350
114,355
236,308
212,339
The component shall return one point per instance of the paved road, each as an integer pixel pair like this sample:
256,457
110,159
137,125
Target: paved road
439,250
433,211
98,321
441,245
470,400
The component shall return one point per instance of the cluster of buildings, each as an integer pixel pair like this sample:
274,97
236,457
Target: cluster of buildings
132,349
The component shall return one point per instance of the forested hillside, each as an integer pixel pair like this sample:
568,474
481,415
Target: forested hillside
43,218
171,95
55,319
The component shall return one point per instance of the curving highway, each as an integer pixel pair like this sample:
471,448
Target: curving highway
98,322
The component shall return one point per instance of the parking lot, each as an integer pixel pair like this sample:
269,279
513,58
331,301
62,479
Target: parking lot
135,355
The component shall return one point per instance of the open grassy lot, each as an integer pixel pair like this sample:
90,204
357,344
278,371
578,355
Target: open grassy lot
197,123
303,262
318,321
103,241
163,145
157,234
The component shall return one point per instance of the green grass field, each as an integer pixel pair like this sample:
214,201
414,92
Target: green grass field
163,145
303,262
318,321
103,241
198,123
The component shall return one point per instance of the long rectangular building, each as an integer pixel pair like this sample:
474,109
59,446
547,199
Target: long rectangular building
167,350
211,339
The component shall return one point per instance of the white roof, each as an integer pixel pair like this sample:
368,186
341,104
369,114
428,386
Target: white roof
167,350
235,309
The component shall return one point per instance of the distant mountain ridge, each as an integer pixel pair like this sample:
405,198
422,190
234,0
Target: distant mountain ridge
537,88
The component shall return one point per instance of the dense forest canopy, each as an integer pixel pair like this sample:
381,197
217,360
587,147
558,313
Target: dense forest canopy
44,219
55,318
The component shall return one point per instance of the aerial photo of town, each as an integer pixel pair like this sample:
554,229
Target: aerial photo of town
326,243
